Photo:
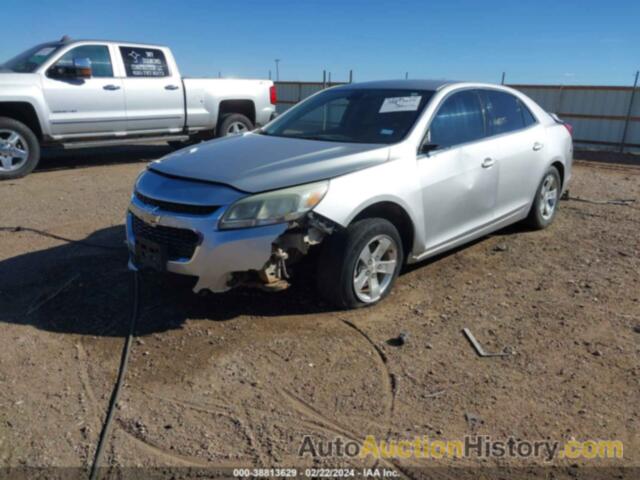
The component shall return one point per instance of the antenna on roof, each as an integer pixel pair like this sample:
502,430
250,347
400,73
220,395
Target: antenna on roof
65,39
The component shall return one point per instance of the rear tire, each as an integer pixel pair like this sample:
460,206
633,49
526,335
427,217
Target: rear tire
233,124
345,279
19,149
545,203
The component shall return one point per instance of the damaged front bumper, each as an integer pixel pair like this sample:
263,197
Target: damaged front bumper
217,255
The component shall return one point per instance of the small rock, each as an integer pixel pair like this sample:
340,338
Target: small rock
501,247
398,341
596,353
429,346
637,328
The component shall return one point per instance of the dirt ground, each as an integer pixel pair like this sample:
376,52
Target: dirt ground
238,379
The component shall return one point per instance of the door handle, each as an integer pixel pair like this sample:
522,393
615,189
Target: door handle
171,87
537,146
111,87
488,162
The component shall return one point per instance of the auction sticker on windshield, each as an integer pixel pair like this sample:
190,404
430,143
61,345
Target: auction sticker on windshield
400,104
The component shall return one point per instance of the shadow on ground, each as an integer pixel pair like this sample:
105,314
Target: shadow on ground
60,159
85,288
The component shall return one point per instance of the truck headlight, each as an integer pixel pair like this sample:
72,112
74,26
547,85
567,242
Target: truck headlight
278,206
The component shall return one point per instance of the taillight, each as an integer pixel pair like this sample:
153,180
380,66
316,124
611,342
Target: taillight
273,95
569,127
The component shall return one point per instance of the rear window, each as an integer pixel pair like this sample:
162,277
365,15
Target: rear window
144,62
505,112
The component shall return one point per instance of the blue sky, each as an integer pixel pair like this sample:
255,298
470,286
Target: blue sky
535,41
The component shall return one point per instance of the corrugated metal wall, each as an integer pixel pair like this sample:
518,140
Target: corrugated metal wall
598,114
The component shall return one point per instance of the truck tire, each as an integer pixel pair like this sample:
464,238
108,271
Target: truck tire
359,265
19,149
233,124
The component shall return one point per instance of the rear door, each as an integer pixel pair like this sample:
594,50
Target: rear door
459,179
153,88
91,106
519,142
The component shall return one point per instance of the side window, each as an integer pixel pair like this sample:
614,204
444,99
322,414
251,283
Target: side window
144,62
504,111
528,117
459,120
97,54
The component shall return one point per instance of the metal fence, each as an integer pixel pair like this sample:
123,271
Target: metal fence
606,118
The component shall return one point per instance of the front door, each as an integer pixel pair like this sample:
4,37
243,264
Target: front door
83,107
459,178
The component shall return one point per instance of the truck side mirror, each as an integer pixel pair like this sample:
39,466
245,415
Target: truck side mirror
82,67
427,148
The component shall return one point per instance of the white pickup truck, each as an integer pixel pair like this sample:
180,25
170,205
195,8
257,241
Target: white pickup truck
97,93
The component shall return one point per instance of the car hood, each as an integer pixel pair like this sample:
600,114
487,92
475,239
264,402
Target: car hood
256,163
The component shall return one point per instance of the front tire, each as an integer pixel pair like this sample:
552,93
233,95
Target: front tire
19,149
234,124
358,266
545,203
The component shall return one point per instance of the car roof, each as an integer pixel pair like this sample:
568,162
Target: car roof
402,84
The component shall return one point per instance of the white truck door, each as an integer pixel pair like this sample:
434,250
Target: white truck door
84,106
154,93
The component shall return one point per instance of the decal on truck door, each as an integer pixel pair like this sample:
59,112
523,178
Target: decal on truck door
144,62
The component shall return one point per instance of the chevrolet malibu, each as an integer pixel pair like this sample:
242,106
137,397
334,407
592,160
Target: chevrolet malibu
362,178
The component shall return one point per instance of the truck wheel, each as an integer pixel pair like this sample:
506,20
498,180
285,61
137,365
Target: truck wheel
358,266
19,149
234,124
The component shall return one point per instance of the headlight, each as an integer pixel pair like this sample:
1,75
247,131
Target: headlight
278,206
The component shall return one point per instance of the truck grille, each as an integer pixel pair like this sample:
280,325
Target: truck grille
180,242
177,207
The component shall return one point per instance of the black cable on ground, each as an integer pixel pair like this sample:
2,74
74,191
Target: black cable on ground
124,360
58,237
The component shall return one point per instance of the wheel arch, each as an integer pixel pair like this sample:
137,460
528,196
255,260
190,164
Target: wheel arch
397,215
23,112
244,107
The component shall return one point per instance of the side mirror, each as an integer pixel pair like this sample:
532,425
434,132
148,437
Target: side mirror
427,148
82,67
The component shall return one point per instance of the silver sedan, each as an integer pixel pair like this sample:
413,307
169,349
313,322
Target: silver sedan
364,177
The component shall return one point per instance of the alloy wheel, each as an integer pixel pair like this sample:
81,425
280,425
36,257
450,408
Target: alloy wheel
375,268
14,150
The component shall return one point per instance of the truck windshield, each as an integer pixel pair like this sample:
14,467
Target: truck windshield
30,60
353,115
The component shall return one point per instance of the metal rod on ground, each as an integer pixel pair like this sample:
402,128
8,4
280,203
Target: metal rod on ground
502,81
626,121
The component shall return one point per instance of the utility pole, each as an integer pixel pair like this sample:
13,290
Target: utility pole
502,81
269,74
277,60
406,75
350,76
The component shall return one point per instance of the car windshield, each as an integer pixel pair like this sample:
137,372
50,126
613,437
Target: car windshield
29,61
353,115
